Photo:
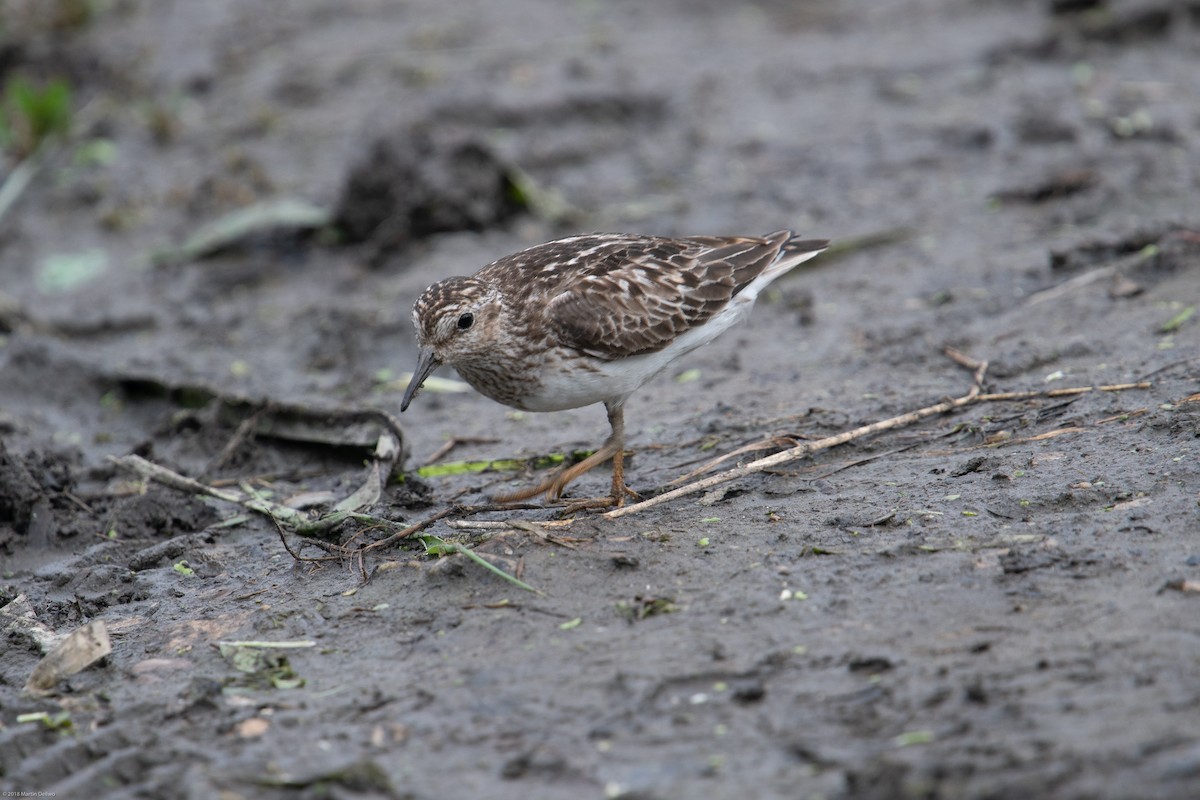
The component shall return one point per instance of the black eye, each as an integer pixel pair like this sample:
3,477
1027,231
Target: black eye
466,321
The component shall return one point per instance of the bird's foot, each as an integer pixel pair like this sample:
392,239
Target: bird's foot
616,499
553,486
520,495
587,503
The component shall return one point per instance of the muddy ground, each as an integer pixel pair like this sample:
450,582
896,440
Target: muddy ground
997,602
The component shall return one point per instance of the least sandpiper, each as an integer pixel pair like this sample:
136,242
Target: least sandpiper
589,319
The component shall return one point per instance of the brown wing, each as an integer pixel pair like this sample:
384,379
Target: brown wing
637,294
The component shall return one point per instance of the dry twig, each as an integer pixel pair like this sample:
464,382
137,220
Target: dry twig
975,395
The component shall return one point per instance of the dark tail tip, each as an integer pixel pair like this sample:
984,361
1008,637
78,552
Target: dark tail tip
792,243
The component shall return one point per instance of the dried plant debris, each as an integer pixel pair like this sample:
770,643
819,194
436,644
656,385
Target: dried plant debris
358,428
265,661
78,651
18,619
270,218
437,546
642,607
1181,585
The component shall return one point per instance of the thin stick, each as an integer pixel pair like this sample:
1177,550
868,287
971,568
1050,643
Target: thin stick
797,452
1067,392
296,556
19,179
416,527
800,451
504,525
1071,284
243,433
173,480
765,443
859,462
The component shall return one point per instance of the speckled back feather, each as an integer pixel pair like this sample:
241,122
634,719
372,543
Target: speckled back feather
612,296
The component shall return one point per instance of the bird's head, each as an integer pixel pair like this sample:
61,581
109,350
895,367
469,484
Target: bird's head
454,319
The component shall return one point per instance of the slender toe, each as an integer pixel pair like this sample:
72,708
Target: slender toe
613,447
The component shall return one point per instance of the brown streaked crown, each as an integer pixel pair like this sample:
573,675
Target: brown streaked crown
439,306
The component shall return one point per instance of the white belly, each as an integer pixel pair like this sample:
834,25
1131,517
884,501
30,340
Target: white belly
562,386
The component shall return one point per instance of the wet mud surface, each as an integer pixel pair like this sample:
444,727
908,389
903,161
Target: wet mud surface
997,602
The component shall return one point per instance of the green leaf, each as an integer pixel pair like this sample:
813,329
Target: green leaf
63,272
58,722
913,737
286,680
467,467
1175,322
436,546
643,607
95,153
29,115
265,660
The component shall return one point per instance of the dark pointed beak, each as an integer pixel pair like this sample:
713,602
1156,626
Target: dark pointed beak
426,364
